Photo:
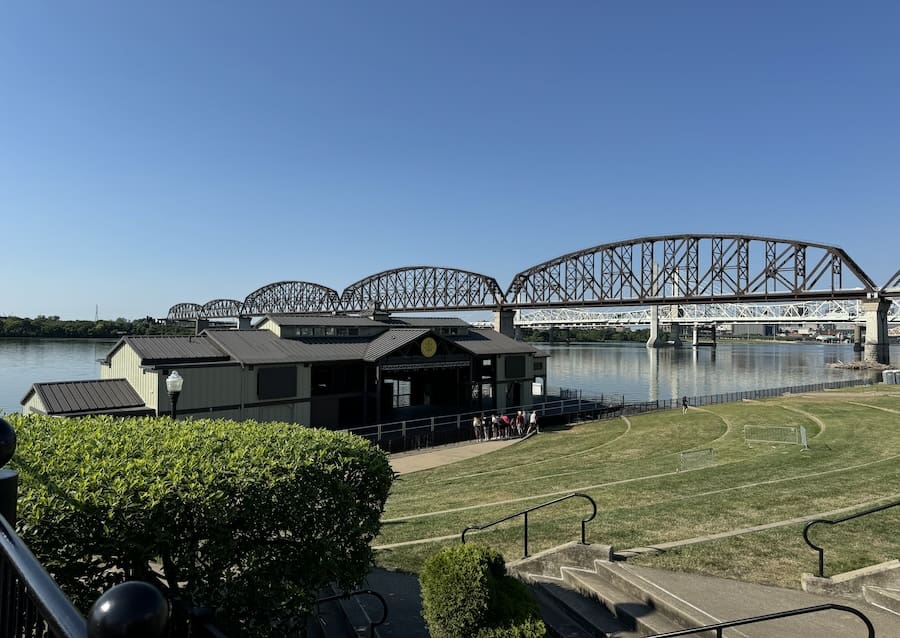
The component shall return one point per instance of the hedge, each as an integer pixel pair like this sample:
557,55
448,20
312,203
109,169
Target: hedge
466,593
249,519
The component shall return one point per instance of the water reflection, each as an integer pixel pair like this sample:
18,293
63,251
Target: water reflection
642,374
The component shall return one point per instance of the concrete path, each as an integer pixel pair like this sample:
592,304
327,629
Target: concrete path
405,462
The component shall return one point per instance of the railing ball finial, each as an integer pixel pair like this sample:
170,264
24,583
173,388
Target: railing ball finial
129,610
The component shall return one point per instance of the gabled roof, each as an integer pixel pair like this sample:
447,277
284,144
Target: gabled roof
100,396
426,322
392,340
159,349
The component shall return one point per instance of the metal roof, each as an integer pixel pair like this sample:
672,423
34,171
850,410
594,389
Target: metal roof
162,349
81,397
326,320
485,341
391,340
426,322
254,347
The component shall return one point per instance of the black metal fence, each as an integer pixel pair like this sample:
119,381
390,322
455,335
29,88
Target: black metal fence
564,405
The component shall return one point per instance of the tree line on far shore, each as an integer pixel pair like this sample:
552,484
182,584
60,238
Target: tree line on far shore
54,327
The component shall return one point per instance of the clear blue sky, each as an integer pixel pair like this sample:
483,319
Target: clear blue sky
161,152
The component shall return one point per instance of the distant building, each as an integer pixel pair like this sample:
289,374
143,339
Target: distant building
326,371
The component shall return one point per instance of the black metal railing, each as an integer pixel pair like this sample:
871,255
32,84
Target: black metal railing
524,513
824,521
31,604
362,592
719,627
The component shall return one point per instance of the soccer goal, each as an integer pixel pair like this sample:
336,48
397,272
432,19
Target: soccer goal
788,434
694,459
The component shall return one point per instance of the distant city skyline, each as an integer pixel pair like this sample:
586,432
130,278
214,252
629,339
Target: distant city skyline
166,153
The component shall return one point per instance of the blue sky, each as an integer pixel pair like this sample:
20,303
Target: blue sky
164,152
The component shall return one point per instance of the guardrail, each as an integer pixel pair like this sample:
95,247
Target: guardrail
825,521
719,627
531,509
362,592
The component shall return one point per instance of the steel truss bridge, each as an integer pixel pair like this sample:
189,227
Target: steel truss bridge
845,311
649,271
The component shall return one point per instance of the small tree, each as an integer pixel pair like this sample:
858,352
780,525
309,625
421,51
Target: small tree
466,592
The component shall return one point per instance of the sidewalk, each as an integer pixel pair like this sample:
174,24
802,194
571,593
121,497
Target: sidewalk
405,462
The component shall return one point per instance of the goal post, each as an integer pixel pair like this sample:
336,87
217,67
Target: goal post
786,434
694,459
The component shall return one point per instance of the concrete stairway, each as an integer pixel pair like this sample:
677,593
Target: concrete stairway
878,585
583,593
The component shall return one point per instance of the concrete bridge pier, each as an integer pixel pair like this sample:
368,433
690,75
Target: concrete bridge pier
675,334
857,338
654,341
877,348
504,322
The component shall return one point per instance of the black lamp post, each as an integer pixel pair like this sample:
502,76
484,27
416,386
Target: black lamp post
174,383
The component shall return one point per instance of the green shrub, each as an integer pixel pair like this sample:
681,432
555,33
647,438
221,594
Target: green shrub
466,592
250,519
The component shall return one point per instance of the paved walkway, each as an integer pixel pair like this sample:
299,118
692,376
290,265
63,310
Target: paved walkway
405,462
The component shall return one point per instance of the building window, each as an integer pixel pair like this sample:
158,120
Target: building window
514,367
276,383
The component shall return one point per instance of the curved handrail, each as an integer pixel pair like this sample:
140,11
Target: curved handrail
718,627
360,592
820,550
524,513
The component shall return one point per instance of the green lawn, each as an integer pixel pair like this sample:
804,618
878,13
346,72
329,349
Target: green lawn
630,467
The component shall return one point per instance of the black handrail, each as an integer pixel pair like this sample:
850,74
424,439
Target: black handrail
41,598
718,627
820,550
537,507
360,592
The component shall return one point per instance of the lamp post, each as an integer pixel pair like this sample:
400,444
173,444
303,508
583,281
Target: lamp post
174,383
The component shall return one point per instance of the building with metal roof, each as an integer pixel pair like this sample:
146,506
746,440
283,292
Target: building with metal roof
80,398
326,371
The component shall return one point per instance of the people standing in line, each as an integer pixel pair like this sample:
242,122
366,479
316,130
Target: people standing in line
504,426
520,422
476,426
495,426
684,404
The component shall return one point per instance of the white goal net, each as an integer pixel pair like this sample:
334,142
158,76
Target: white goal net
789,434
693,459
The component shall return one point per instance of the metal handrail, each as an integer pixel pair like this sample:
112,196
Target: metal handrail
531,509
718,627
62,619
360,592
820,550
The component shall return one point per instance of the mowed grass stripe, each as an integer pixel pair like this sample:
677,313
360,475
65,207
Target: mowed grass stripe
851,461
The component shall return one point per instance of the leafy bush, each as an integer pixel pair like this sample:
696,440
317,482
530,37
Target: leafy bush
466,592
250,519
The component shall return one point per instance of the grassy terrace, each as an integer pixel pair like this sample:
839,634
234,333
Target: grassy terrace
630,467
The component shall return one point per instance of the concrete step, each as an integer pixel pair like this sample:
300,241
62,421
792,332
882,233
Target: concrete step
568,614
638,617
679,610
883,597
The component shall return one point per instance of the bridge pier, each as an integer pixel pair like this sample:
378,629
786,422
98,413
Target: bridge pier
857,338
675,334
654,340
877,348
504,322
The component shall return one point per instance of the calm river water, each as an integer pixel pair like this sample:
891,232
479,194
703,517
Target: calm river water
638,373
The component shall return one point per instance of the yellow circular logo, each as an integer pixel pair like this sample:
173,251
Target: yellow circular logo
429,347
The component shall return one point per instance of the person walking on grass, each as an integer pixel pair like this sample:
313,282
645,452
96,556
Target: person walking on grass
533,423
684,404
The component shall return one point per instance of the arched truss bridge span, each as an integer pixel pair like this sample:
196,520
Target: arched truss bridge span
671,269
845,311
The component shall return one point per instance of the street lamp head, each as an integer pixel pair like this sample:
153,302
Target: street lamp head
174,382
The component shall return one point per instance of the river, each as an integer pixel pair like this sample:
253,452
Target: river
629,370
